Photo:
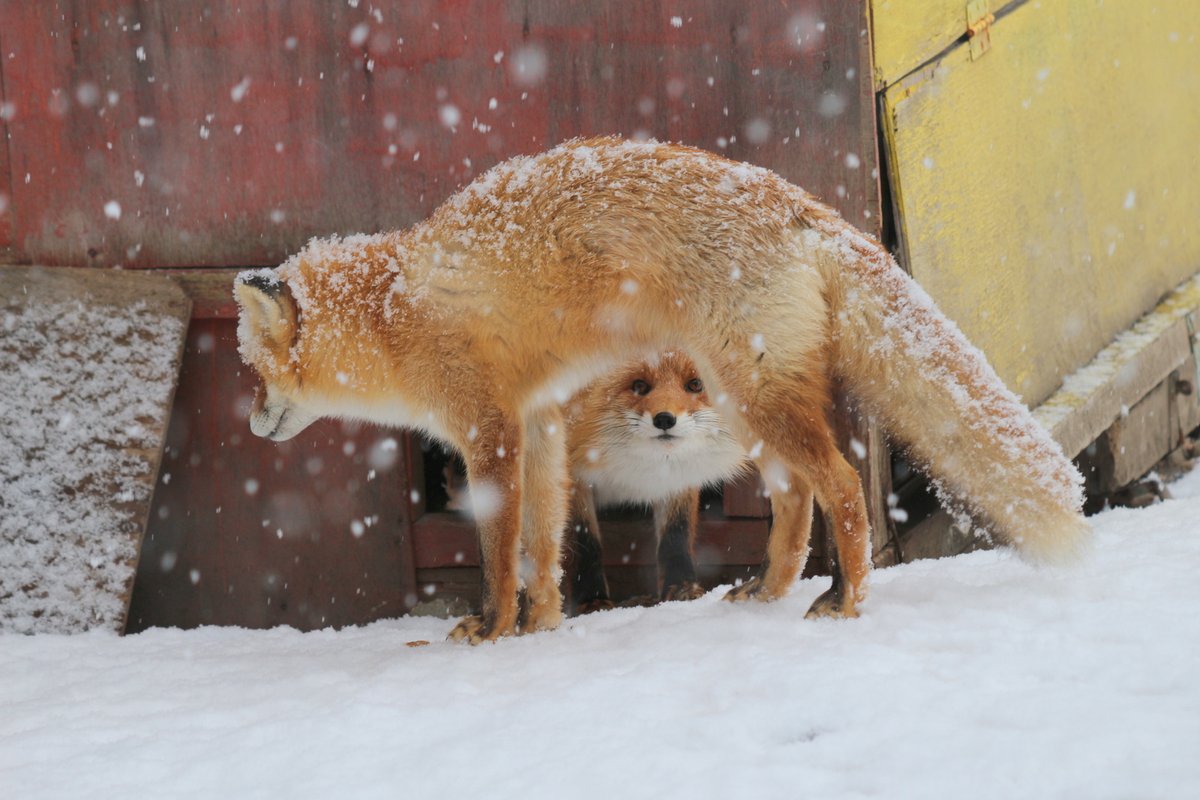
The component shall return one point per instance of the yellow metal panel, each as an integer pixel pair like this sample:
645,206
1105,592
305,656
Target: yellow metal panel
1049,192
907,33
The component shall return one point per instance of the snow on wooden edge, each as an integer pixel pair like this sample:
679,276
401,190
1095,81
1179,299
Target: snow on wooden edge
88,365
1091,398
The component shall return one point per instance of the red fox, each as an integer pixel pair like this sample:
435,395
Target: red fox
646,434
478,324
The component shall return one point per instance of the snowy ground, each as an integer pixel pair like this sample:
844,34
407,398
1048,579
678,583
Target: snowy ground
971,677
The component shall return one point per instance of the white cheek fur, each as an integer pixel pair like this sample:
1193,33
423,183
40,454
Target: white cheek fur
635,466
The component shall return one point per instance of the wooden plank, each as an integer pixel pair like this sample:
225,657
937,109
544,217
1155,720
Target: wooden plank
229,136
211,291
907,33
1140,437
255,533
743,497
1144,433
938,536
7,252
88,365
1029,207
1120,375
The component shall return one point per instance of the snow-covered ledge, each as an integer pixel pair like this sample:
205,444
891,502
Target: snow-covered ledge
1093,397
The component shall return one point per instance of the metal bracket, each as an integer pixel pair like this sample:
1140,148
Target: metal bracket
979,28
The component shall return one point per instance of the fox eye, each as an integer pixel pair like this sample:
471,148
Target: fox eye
694,386
640,387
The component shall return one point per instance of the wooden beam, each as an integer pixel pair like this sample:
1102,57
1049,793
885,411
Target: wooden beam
1119,376
449,540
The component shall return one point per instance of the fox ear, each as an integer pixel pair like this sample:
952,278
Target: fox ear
267,306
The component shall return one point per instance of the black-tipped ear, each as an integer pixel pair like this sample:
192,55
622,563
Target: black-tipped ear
265,280
266,304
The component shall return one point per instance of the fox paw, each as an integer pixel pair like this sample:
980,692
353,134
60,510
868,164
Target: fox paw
832,604
474,629
596,604
687,590
544,617
753,589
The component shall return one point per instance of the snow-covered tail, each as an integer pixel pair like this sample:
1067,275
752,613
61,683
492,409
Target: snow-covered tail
935,392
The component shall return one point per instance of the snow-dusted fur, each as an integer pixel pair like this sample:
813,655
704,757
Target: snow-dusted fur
936,393
479,323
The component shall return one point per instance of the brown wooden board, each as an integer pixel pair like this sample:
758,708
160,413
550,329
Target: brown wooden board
449,540
254,533
88,364
6,228
726,551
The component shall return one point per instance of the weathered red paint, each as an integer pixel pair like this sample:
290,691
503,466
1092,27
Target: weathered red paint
309,533
231,178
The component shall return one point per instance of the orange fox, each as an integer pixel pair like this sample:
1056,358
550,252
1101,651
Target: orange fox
647,434
478,324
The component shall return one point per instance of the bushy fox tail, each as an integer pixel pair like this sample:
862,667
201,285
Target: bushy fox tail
935,392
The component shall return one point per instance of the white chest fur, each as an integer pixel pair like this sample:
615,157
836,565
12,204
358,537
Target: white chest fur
630,461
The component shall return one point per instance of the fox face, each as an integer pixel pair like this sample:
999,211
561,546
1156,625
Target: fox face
650,430
267,330
663,402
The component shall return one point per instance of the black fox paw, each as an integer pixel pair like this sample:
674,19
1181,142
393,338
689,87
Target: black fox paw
593,605
686,590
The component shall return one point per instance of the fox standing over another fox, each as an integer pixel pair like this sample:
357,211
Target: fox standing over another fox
644,435
477,324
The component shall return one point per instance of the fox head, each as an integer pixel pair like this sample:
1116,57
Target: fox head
650,430
268,326
663,403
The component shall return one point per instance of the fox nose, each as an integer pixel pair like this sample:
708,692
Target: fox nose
664,420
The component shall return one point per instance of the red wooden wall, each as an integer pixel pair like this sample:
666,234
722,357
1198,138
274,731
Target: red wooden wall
227,134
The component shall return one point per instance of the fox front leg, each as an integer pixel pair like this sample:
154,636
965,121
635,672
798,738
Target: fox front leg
675,520
494,474
543,514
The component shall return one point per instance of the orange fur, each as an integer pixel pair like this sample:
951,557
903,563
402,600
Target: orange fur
479,323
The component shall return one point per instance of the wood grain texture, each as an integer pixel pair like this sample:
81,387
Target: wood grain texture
1124,372
907,33
229,135
248,532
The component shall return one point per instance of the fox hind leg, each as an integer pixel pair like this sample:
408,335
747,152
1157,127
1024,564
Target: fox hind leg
791,412
839,493
845,517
